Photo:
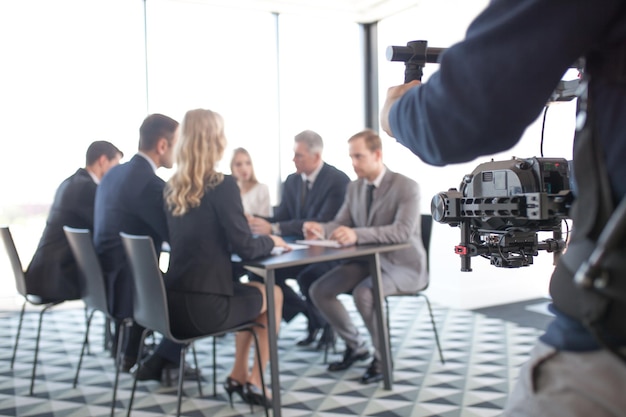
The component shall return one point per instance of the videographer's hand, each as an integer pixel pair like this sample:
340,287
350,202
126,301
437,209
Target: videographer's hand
393,94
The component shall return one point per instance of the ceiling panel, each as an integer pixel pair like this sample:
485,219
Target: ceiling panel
361,11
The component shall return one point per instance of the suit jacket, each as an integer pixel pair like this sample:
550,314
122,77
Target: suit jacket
203,239
321,204
129,199
52,272
394,218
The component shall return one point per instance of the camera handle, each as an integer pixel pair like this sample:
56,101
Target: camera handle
415,55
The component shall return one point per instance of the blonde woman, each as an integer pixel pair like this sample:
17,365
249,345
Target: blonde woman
255,196
206,222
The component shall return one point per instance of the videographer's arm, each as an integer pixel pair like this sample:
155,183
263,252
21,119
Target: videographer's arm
493,84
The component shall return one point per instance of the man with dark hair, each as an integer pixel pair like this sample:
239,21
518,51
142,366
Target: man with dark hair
52,272
488,89
130,200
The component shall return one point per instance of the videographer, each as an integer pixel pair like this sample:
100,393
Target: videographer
488,89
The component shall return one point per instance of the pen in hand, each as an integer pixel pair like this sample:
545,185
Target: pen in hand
317,234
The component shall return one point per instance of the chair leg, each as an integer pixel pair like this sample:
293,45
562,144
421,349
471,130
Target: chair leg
108,336
388,323
195,363
118,356
32,378
139,364
85,345
181,375
17,336
87,318
214,366
432,320
258,357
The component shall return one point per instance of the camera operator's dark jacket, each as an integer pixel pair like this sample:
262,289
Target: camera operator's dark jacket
488,91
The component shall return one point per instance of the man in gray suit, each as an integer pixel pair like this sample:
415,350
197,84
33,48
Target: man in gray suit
380,207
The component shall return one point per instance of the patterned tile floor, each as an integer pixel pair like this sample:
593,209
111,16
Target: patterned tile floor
482,354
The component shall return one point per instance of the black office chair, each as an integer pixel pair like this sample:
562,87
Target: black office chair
427,224
93,293
36,300
150,308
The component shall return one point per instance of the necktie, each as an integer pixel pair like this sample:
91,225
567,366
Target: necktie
303,192
369,197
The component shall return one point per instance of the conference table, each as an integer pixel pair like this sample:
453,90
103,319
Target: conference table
266,268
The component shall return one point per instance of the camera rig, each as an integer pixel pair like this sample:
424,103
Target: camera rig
502,205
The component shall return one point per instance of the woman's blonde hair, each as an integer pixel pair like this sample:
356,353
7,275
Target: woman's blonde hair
200,147
243,151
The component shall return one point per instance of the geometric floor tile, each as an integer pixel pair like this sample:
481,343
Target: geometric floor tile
483,355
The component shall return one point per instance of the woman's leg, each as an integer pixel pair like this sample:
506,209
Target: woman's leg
262,334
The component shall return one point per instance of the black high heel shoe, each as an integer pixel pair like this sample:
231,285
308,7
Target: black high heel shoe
310,337
231,386
255,396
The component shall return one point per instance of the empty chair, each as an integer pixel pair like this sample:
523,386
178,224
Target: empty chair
150,308
427,224
93,292
34,299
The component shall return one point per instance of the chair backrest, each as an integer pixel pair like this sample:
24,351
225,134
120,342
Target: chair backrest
149,298
93,291
427,226
16,264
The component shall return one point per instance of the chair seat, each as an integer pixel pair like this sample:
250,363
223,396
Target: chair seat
39,301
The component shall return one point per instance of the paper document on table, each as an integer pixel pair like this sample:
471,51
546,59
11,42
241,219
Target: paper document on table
321,242
294,246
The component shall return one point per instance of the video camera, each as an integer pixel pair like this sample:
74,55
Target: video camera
502,205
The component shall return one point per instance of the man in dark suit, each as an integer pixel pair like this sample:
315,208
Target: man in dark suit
313,193
130,199
52,272
380,207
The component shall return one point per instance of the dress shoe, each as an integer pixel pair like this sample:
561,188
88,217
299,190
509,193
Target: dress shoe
374,373
169,374
310,338
327,339
147,371
349,357
233,386
255,396
154,369
127,363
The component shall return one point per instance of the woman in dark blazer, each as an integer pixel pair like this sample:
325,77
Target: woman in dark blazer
207,225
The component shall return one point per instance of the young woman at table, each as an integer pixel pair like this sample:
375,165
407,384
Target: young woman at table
255,196
206,225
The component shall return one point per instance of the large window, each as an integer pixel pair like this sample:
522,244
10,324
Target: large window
321,85
72,72
221,59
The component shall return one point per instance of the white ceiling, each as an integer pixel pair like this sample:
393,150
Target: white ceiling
361,11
